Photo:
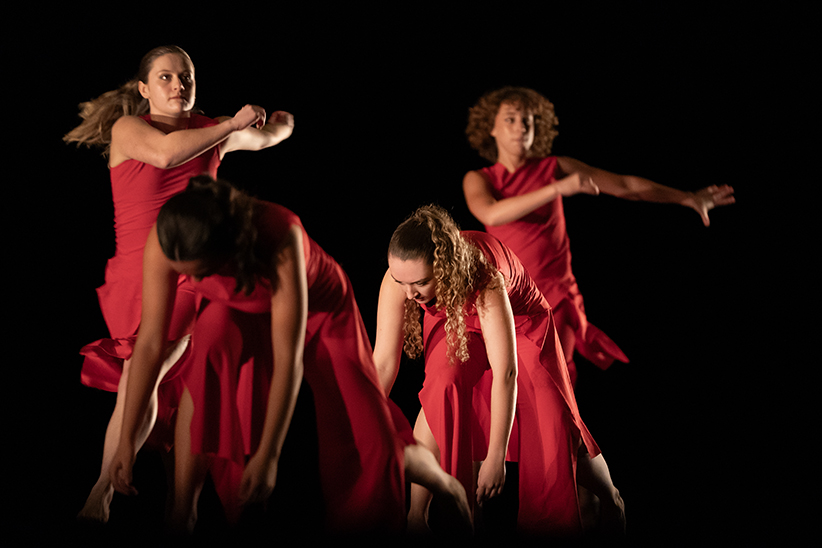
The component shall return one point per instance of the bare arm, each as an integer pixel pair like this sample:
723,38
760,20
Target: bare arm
289,315
159,290
389,340
278,129
134,139
493,212
497,323
631,187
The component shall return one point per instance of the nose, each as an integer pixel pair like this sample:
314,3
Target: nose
411,293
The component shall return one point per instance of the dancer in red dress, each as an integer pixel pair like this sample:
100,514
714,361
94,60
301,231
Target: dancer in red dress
519,200
154,144
496,385
273,307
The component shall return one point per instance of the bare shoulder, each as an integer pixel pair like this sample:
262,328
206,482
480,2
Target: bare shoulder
129,122
475,180
128,128
475,175
290,247
126,131
494,303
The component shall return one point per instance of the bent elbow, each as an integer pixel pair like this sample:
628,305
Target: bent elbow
492,220
163,160
486,216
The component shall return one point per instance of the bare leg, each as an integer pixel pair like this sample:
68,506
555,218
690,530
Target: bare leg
588,502
593,474
189,473
421,496
447,494
98,502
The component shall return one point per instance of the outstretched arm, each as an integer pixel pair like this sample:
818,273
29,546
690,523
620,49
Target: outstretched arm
389,339
493,212
159,289
631,187
289,315
134,139
497,323
277,129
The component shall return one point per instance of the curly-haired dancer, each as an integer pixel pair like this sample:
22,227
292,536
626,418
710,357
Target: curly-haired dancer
496,386
275,308
519,200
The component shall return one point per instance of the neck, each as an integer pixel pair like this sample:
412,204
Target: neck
171,123
511,162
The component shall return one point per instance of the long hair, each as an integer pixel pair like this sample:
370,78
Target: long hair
482,115
461,272
100,114
212,222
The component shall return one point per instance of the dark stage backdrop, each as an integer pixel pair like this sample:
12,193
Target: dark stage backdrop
701,430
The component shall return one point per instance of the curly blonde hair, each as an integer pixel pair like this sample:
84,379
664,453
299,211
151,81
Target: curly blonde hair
461,272
482,115
100,114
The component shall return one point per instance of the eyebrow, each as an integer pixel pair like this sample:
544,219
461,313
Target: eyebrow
169,71
421,280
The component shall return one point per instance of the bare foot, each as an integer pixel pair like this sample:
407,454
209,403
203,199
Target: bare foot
418,524
97,504
612,516
449,514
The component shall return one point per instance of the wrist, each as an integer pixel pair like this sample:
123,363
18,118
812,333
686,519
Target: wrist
496,454
568,186
231,124
689,200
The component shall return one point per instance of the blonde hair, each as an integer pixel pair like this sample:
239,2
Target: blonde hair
481,119
100,114
461,272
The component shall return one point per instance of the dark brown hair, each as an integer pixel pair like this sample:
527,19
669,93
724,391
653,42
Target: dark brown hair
482,115
212,222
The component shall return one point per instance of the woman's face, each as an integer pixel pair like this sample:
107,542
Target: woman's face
513,129
170,88
416,277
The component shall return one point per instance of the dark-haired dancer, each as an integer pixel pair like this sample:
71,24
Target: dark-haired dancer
483,313
519,200
154,143
275,307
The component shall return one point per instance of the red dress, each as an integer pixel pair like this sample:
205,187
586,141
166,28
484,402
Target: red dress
547,427
541,242
360,450
139,190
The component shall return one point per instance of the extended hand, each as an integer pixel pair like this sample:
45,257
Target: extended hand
708,198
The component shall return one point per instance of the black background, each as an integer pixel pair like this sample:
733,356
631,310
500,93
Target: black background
702,430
